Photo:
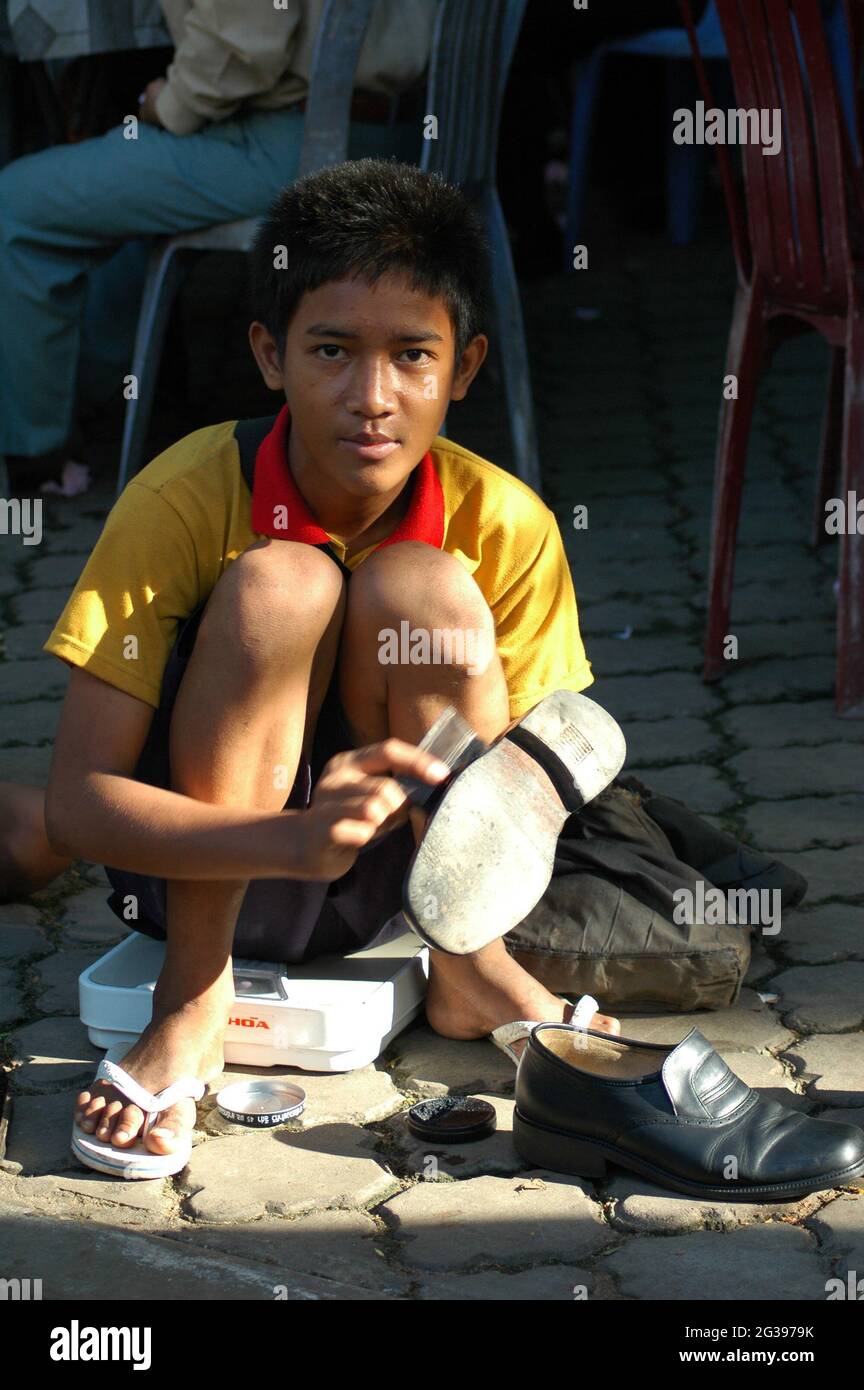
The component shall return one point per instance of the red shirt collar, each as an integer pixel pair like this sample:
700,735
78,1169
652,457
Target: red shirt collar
280,510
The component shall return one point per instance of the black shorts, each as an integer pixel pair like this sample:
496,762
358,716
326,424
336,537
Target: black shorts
280,919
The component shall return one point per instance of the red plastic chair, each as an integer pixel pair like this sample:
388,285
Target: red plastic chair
800,258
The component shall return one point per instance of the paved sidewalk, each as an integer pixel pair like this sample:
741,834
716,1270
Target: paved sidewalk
345,1204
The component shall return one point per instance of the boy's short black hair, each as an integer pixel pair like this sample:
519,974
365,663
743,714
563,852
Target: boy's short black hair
366,218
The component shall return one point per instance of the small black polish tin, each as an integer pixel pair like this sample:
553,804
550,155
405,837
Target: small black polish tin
452,1119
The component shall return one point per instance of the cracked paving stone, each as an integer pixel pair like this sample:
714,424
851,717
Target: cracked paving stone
131,1265
822,998
659,741
840,1229
641,1207
496,1220
27,765
748,1024
797,772
831,1065
347,1244
11,1004
751,1263
774,726
56,572
830,873
85,1193
58,979
824,934
88,918
18,915
484,1156
703,788
55,1053
432,1065
353,1097
754,602
664,696
239,1178
543,1284
806,822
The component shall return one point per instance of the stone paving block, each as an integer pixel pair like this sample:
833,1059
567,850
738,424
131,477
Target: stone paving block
805,822
56,571
557,1283
610,578
84,1193
425,1062
32,723
797,772
760,641
18,940
839,1227
55,1054
354,1097
39,606
793,722
87,917
426,1160
830,873
345,1244
24,643
644,1209
27,765
831,1066
57,978
663,696
19,915
11,1004
750,1264
822,998
38,1139
20,681
619,614
283,1174
759,603
663,652
94,1262
653,741
749,1024
703,788
496,1220
824,934
779,679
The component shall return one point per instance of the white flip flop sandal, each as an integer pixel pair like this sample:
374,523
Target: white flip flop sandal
509,1033
135,1160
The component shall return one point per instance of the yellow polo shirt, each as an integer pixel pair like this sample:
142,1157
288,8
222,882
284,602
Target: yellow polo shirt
184,518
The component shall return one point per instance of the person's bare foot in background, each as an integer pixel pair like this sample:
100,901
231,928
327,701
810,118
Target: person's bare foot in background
27,861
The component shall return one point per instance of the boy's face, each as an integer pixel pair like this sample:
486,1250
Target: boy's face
368,373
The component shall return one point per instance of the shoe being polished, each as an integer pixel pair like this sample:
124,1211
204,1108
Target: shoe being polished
676,1115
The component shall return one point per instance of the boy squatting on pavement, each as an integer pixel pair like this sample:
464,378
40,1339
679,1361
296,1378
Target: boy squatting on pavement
238,634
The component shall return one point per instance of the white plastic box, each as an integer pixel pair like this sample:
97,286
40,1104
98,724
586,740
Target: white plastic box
336,1013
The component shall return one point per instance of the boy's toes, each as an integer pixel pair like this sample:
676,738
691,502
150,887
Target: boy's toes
174,1122
128,1125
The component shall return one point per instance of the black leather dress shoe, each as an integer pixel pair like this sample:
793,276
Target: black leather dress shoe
676,1115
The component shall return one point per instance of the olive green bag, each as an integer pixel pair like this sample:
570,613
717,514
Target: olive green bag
606,924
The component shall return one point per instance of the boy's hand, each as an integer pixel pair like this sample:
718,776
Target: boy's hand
354,801
147,102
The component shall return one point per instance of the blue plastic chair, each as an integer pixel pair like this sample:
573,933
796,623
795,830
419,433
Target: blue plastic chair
682,169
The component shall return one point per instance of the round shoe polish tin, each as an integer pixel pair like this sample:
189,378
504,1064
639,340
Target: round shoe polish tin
452,1119
261,1104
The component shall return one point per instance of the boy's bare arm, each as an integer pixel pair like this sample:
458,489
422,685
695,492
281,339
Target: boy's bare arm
95,810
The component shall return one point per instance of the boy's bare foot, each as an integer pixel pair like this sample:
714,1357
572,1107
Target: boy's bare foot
468,996
186,1040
